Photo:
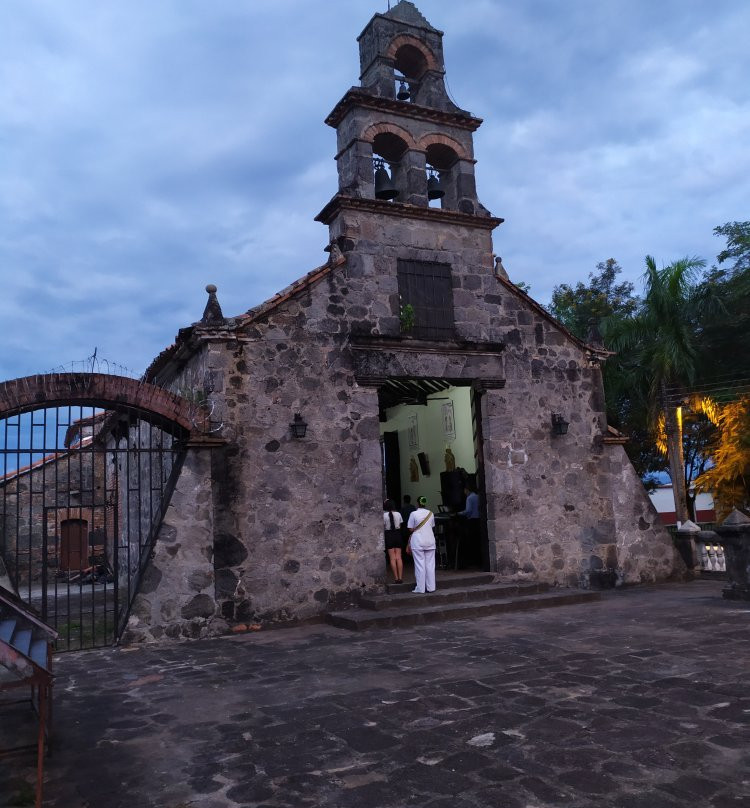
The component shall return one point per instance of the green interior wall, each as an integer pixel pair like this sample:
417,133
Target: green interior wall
433,441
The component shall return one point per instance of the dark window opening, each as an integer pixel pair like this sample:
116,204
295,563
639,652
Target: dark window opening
410,62
426,297
390,176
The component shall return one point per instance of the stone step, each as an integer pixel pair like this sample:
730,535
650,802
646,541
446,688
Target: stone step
358,619
465,594
451,581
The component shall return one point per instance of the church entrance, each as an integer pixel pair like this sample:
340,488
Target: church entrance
431,447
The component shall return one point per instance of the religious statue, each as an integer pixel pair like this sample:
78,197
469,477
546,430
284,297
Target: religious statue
450,459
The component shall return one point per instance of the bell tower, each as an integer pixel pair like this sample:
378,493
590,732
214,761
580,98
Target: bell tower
405,158
399,130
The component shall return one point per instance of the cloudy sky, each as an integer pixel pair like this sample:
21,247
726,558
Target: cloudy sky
149,147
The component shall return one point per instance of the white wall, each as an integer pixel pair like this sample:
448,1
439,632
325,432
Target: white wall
432,440
663,500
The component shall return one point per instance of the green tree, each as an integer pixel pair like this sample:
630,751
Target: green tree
695,331
582,306
728,479
725,332
658,350
581,309
737,235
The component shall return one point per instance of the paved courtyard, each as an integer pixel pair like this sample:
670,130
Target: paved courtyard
641,699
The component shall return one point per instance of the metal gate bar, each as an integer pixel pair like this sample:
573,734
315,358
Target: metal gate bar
83,493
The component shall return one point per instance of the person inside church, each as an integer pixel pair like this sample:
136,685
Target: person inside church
422,547
470,513
407,509
392,522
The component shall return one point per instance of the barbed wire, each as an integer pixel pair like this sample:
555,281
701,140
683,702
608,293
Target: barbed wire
194,385
95,364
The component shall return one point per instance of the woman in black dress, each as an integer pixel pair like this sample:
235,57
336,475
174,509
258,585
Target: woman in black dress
392,522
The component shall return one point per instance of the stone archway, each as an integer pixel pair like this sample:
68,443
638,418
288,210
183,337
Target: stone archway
100,390
89,464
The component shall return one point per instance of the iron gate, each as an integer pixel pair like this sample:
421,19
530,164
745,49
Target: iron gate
83,491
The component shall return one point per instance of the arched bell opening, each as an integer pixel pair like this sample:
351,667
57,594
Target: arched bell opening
442,163
410,65
388,165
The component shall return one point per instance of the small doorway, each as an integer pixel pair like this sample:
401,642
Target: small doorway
74,545
432,447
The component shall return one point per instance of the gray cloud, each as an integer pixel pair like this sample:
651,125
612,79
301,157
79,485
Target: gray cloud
149,148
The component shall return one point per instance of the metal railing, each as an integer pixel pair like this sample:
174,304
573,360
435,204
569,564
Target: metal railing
710,556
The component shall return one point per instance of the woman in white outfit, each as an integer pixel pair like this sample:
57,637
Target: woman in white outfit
422,547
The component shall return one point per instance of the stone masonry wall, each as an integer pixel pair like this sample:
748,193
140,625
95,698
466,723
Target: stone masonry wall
645,550
296,525
176,596
40,498
554,502
370,304
297,520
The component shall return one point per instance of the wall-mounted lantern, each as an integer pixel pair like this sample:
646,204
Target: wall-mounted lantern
559,424
298,426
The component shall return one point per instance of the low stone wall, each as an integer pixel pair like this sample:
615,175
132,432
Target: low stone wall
645,551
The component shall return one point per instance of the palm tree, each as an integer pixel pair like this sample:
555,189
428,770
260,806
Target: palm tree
658,348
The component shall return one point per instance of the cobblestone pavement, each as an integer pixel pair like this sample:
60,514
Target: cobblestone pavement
641,699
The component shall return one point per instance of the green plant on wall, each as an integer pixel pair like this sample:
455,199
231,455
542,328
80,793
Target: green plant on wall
198,397
406,316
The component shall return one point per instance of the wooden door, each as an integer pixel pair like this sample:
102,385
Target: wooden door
392,463
74,544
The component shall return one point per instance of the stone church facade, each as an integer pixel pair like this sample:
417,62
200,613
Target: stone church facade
410,302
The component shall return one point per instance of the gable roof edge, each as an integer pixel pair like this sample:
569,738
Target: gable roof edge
296,287
591,350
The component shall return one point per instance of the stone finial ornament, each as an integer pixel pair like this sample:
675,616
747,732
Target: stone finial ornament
734,535
334,252
736,519
500,269
212,314
688,527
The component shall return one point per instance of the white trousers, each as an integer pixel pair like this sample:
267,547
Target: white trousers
424,568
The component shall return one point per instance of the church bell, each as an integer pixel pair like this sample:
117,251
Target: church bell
404,93
384,187
434,187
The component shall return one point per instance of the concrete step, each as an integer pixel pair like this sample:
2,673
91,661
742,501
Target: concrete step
447,581
464,594
358,619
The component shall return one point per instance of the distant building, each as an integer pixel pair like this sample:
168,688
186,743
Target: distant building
663,500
